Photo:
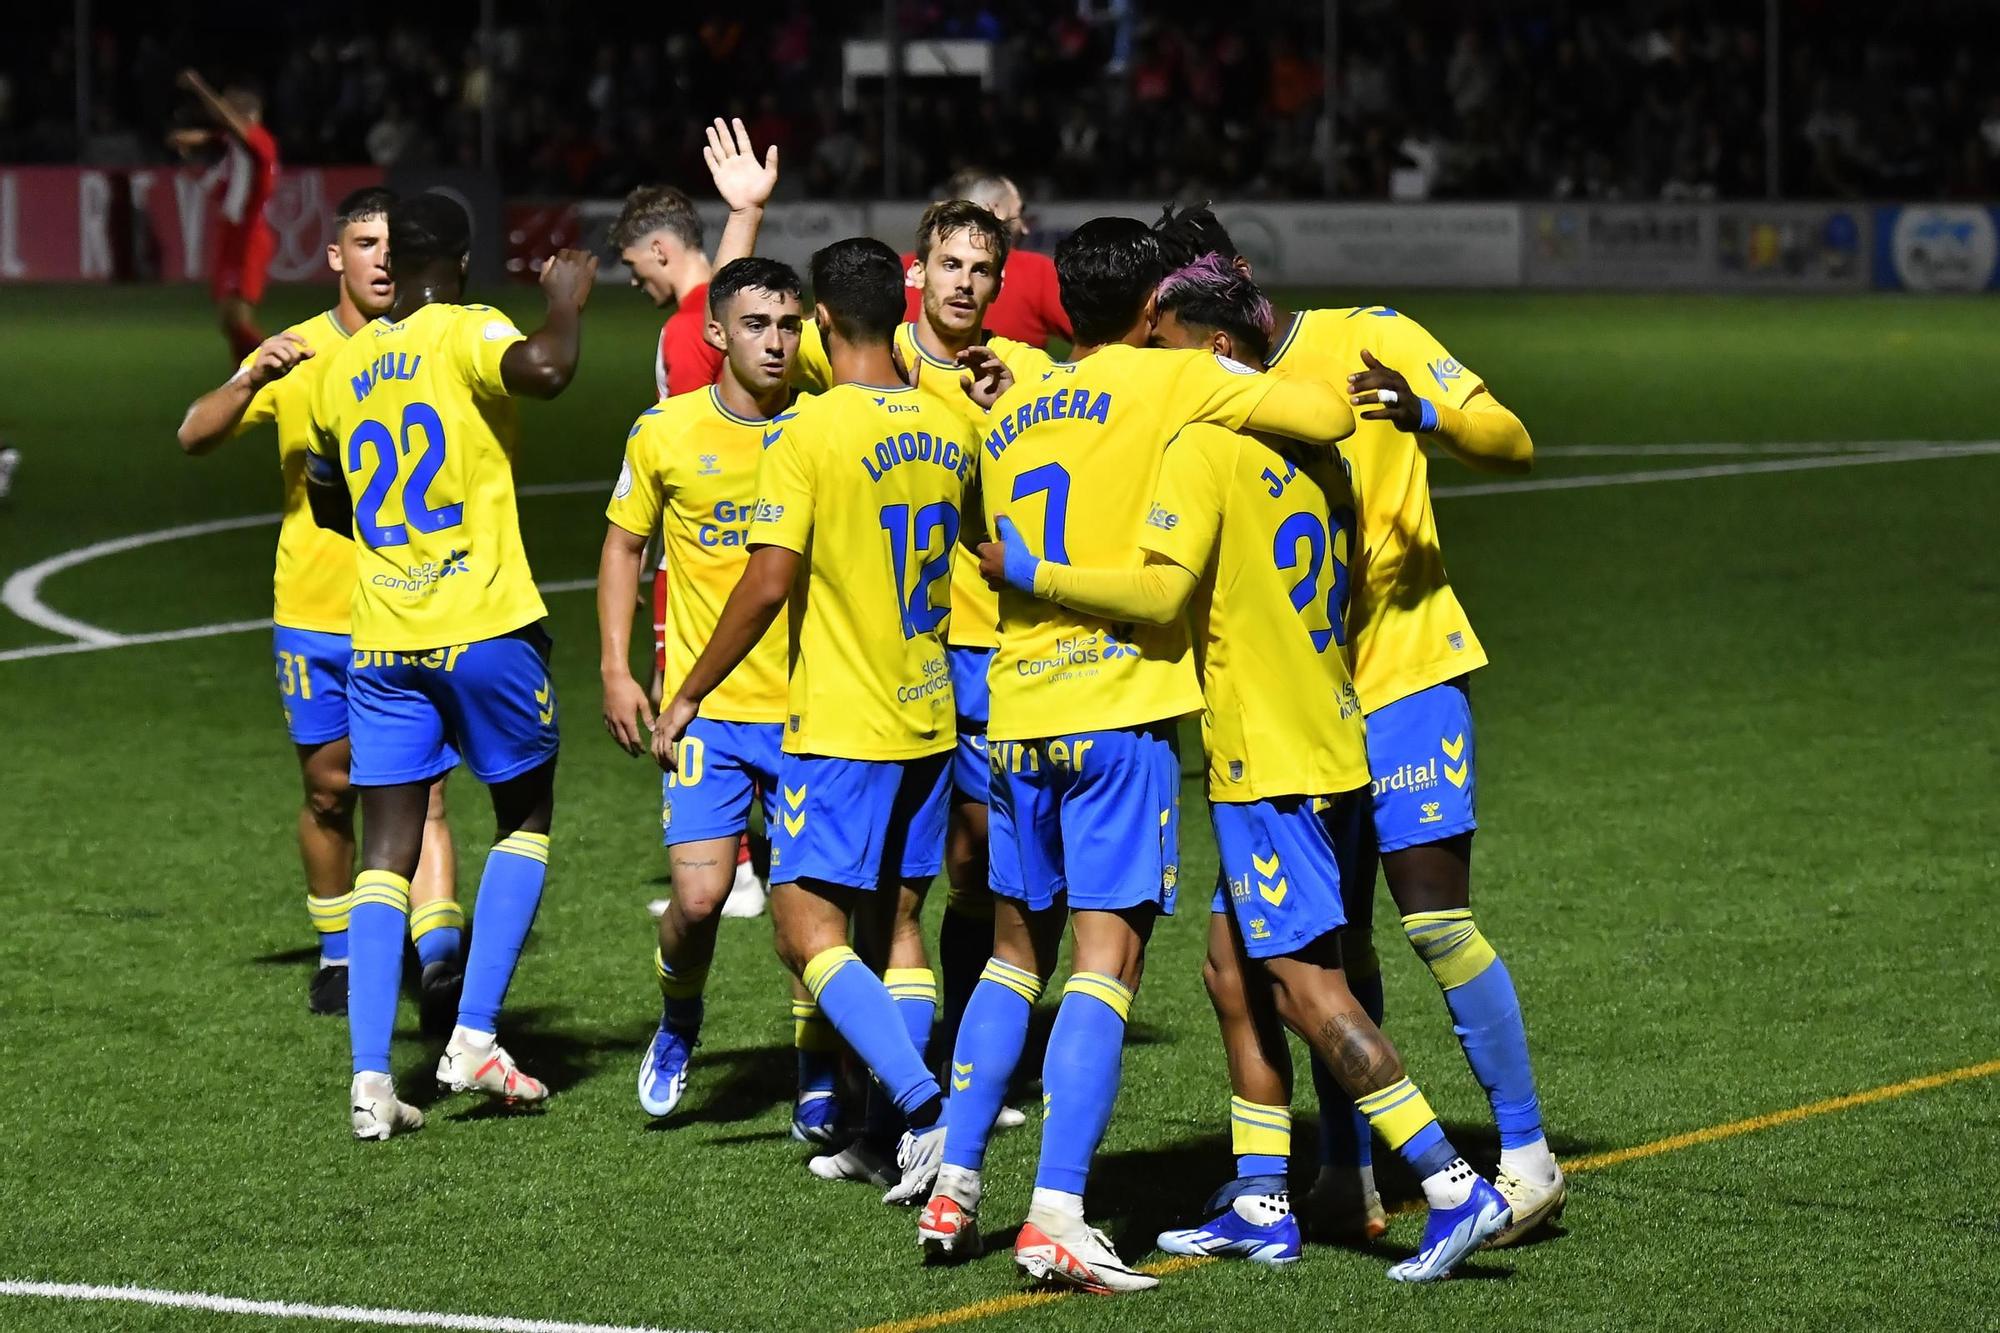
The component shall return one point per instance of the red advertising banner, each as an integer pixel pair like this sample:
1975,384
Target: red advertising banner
83,224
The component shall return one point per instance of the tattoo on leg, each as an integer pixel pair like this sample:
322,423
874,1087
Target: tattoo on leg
1358,1053
685,863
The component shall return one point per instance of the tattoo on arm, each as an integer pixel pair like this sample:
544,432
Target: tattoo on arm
1357,1052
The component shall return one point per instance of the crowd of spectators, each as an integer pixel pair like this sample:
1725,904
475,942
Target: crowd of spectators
1639,99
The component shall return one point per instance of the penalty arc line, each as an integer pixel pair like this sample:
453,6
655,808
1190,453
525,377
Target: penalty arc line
1000,1305
21,593
344,1314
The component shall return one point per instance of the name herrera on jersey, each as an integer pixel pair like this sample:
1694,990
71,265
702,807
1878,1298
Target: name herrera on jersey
917,447
1063,404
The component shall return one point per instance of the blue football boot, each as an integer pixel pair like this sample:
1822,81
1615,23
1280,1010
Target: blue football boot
1450,1234
816,1118
663,1070
1255,1223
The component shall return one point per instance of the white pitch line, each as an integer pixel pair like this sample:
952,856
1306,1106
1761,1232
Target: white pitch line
21,594
1969,449
25,584
1734,449
344,1314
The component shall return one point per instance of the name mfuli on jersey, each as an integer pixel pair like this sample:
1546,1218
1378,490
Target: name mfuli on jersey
388,366
1061,405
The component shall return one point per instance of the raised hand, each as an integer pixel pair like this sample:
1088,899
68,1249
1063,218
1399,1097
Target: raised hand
740,179
568,276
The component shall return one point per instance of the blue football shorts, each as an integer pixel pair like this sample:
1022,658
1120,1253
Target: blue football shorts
1280,872
312,683
1095,815
721,767
412,715
1420,752
860,823
971,775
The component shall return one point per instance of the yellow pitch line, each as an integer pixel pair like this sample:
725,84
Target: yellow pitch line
1693,1138
1025,1300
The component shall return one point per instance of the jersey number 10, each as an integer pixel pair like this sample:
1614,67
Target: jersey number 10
418,512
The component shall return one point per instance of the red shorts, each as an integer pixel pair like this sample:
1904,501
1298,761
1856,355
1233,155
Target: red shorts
242,262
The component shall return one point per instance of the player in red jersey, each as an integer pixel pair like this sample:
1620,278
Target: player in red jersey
244,241
1029,308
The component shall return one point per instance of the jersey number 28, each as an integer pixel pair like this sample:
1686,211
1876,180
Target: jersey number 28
1305,528
418,512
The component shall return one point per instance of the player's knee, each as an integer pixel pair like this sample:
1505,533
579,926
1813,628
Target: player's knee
330,801
1224,989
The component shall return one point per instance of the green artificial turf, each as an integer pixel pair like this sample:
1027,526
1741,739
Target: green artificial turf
1737,775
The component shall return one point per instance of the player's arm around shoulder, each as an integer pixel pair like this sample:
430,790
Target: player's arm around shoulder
327,496
542,364
1445,401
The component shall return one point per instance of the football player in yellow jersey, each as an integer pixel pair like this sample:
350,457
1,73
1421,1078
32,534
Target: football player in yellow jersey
691,472
1413,649
857,517
312,586
1082,730
413,440
1254,541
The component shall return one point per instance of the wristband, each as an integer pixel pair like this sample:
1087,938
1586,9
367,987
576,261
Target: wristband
1429,420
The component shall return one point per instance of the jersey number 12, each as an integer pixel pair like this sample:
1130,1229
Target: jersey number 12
909,543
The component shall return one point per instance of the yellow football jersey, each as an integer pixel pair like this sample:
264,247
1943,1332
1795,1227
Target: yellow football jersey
312,587
691,473
416,417
1071,455
1269,530
1408,629
867,485
975,607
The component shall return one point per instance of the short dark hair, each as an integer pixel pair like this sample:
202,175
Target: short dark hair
1211,294
982,185
752,274
948,217
368,202
652,208
426,229
1191,233
860,282
1105,270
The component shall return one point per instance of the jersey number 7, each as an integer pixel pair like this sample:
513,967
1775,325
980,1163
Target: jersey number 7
417,510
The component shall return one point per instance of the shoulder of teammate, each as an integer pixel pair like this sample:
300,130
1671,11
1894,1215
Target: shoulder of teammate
812,370
478,337
1398,341
643,478
1184,520
788,471
1024,359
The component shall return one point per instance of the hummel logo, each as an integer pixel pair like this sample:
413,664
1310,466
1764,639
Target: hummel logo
1274,894
1266,868
708,466
547,710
